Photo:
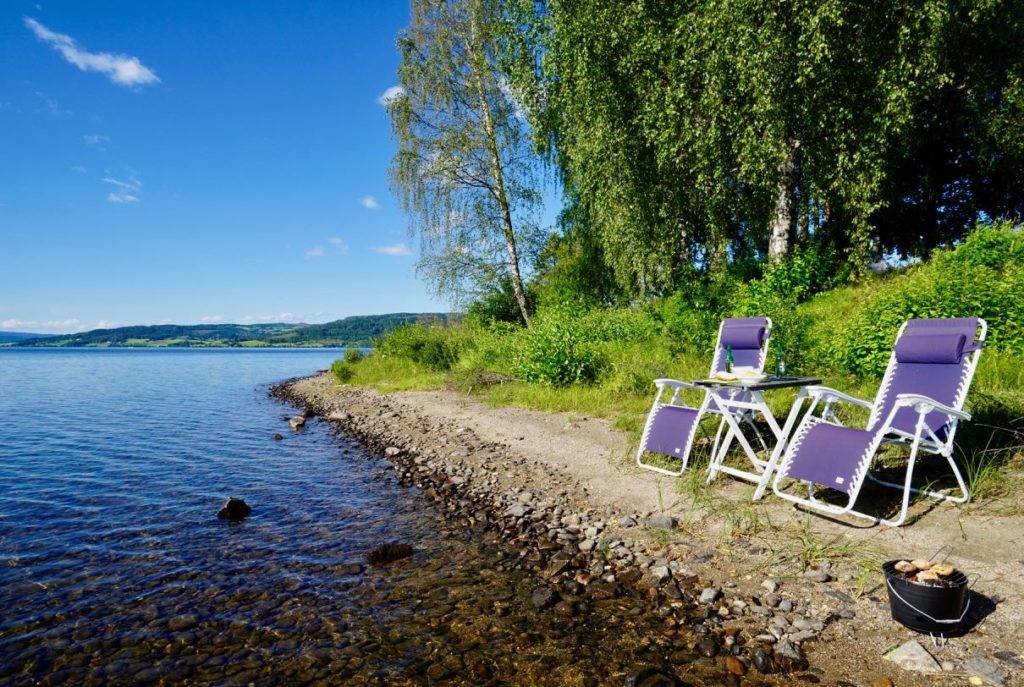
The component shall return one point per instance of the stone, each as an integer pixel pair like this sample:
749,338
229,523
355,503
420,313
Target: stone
788,651
840,596
517,510
544,597
764,662
662,522
234,509
709,595
182,623
1010,658
990,673
912,656
652,677
708,647
770,586
817,576
297,422
339,416
278,437
388,553
786,606
392,451
772,600
660,574
735,666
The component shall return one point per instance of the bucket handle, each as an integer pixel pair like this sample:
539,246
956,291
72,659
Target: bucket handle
963,615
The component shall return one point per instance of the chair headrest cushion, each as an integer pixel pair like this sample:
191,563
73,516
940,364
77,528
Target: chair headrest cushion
930,348
742,336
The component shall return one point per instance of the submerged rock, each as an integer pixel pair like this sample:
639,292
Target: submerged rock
388,553
653,677
234,509
278,437
297,422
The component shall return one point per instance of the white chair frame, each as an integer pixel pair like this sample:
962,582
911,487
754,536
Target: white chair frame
677,386
923,438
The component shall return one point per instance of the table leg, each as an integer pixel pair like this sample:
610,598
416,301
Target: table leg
783,441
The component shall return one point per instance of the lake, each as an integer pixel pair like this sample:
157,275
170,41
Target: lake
114,568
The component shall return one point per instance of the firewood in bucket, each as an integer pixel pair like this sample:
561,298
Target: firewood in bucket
905,567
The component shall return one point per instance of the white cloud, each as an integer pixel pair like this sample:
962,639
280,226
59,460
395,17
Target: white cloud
123,70
211,319
339,245
369,202
106,324
79,168
315,252
288,317
52,106
391,95
43,327
394,249
124,191
95,140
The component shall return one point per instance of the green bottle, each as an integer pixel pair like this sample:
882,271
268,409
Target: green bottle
780,364
728,359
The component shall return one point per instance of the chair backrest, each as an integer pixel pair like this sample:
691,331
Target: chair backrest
748,337
935,358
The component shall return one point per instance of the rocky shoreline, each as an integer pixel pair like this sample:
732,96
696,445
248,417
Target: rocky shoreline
595,534
578,555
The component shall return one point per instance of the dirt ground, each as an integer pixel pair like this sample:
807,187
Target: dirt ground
589,465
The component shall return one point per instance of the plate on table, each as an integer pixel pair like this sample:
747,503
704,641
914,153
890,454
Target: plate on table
740,376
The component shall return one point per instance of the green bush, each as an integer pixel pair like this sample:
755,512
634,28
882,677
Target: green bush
557,350
342,371
435,346
353,355
984,277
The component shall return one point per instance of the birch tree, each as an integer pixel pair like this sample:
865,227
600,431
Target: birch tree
465,168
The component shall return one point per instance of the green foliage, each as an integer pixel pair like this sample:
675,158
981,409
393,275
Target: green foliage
433,346
464,168
983,277
687,130
342,370
557,350
353,355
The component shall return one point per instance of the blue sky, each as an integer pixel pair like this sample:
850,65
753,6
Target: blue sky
199,161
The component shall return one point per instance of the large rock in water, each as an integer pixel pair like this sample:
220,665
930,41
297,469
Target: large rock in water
387,553
297,422
234,509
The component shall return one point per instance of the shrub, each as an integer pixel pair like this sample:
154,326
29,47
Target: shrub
435,346
983,277
353,355
342,371
557,350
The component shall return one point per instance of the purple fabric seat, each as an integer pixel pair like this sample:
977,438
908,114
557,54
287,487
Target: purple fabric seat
671,425
932,358
671,430
830,455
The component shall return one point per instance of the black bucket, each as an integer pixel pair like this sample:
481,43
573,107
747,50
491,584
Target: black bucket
926,608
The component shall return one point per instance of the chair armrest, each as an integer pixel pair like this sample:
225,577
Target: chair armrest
828,393
676,384
918,400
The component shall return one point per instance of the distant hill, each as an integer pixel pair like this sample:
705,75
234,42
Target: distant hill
8,337
356,331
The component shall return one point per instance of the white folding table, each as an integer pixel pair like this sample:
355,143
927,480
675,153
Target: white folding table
740,401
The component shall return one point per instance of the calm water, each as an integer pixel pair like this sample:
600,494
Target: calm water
114,568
